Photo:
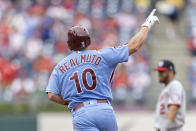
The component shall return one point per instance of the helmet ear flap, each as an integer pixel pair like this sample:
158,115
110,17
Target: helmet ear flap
87,41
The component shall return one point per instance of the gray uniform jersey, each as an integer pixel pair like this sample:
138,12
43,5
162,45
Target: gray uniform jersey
172,94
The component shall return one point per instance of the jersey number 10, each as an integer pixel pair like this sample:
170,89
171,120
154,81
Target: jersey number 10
84,80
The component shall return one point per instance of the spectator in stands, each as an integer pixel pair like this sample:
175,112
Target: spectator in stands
191,17
127,25
22,87
171,8
120,85
192,80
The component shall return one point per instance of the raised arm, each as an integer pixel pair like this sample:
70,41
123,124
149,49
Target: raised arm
137,41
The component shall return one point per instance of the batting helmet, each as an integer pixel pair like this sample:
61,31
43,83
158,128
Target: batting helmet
78,38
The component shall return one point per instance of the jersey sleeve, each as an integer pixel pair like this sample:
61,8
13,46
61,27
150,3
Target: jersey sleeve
53,83
115,55
175,95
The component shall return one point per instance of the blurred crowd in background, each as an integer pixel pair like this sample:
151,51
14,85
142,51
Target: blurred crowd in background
191,22
33,35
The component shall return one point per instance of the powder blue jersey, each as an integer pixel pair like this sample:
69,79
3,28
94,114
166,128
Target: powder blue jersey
86,75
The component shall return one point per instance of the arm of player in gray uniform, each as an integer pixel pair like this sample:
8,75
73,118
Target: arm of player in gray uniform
174,103
171,115
172,111
137,41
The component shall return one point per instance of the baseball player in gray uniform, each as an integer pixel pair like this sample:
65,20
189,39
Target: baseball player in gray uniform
171,105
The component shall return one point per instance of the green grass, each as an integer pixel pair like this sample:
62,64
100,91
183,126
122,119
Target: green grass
23,108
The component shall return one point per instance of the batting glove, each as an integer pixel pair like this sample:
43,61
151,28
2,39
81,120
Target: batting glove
151,20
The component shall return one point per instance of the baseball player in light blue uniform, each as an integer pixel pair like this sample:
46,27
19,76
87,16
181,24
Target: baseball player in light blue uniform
82,80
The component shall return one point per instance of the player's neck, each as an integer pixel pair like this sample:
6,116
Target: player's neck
169,80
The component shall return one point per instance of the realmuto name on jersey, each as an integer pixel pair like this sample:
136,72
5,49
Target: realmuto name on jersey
94,59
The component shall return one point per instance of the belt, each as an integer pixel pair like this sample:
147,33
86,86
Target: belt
171,128
81,104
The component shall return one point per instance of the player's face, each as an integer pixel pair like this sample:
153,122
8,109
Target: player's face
163,76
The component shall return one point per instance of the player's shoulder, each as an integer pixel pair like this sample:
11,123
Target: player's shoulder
113,48
117,46
175,84
91,51
74,54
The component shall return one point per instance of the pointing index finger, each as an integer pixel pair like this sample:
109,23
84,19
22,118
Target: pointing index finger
153,11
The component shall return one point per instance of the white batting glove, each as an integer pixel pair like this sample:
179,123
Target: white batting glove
151,20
